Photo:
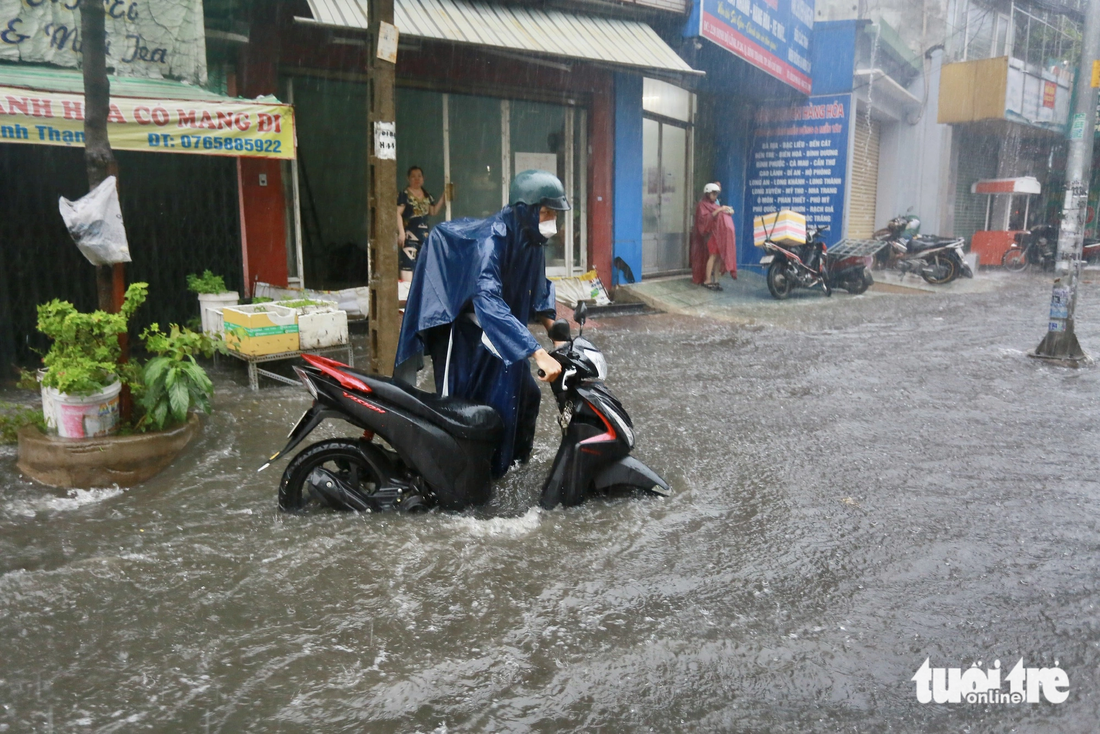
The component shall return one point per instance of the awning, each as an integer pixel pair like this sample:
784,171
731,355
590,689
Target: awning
339,13
45,106
1024,185
539,31
518,29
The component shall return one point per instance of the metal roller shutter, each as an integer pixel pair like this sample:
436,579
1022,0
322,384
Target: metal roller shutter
861,211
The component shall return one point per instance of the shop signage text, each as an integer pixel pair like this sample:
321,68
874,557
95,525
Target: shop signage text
799,160
145,38
772,35
250,129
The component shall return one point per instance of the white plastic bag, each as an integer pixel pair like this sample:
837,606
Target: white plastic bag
95,223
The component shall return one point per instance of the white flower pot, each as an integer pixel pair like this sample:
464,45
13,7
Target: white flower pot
211,305
84,416
49,407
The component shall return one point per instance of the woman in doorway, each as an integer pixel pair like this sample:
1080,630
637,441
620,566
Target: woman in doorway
713,240
414,206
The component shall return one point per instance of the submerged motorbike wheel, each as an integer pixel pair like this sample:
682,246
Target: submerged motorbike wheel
337,473
1015,260
860,283
947,270
779,284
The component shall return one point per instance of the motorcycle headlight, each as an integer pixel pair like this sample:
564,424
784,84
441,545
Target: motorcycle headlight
597,359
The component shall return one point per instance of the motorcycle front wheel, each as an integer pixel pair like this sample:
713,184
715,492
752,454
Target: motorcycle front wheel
1015,260
779,285
343,458
950,270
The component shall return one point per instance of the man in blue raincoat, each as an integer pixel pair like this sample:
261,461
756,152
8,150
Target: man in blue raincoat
477,285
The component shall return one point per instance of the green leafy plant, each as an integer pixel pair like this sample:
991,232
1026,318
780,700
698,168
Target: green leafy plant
174,381
85,353
206,283
262,299
13,417
303,302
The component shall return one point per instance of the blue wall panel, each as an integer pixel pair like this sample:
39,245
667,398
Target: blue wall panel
834,56
628,173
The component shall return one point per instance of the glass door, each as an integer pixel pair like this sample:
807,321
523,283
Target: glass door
664,196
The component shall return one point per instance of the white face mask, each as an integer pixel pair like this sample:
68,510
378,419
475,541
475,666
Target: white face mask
549,228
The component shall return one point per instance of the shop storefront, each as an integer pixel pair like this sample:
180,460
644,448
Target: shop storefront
484,91
179,150
472,145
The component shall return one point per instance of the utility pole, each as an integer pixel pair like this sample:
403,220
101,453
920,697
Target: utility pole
385,321
1060,342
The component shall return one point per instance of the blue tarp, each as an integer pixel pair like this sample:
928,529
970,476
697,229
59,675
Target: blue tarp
482,281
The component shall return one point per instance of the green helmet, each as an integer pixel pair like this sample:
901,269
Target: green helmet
540,188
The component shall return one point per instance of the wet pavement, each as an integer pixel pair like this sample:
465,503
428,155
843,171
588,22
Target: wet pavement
861,483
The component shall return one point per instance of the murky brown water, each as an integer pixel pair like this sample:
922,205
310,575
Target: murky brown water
886,480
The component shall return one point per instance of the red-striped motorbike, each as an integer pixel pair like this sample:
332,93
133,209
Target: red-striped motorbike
797,266
437,451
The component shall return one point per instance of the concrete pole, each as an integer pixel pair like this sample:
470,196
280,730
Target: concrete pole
385,321
1060,342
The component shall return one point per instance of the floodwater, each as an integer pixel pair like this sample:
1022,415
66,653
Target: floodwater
880,480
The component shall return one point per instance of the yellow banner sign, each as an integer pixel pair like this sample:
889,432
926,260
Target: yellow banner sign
245,129
1095,82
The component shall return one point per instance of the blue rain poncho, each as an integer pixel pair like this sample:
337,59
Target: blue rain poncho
477,284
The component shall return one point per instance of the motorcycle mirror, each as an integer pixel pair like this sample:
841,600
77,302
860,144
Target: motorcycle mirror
559,331
580,313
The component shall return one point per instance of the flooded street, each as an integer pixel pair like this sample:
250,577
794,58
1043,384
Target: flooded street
864,483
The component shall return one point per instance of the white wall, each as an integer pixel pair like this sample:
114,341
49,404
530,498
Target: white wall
915,163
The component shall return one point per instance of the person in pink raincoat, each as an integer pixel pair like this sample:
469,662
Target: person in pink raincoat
713,240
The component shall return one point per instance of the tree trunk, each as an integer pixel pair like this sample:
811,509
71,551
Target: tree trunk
98,158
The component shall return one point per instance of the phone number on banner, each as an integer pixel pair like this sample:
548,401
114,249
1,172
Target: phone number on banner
215,143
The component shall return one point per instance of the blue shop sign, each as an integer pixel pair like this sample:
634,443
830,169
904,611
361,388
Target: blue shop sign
772,35
799,161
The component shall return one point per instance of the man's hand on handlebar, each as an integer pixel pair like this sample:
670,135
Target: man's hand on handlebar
549,369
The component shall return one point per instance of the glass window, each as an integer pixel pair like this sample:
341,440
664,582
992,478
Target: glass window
475,135
665,99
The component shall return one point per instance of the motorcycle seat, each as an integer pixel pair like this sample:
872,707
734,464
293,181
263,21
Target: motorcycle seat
926,242
458,417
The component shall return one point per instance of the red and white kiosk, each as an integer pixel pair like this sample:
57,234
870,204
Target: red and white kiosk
990,244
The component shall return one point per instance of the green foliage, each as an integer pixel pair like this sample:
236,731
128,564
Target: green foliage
174,381
84,356
206,283
262,299
13,417
303,302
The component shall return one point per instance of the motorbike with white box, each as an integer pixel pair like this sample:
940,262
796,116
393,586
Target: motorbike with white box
792,260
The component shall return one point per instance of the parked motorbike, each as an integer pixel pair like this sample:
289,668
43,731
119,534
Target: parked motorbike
849,273
438,450
797,266
936,259
1039,246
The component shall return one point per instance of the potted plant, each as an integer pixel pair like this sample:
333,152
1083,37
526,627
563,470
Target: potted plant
174,383
213,297
83,375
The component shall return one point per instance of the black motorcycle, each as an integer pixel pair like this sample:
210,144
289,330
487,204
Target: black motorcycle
797,266
937,259
438,450
1039,246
